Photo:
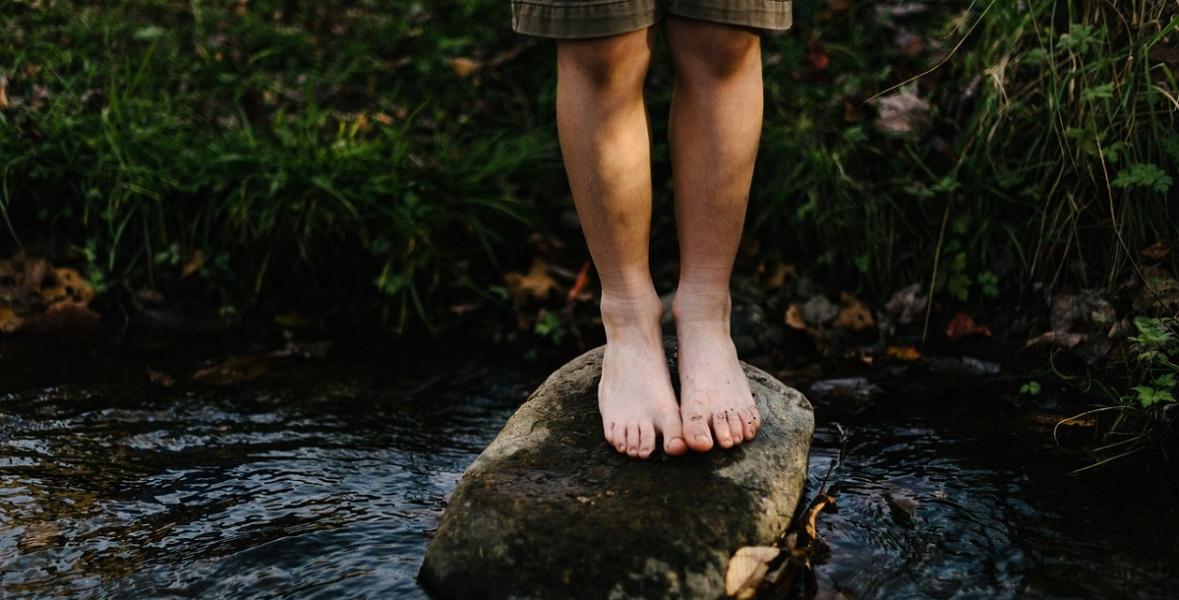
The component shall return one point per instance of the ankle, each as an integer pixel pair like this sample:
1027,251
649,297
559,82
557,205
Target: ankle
705,307
625,315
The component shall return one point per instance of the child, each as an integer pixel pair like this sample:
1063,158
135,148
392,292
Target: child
603,51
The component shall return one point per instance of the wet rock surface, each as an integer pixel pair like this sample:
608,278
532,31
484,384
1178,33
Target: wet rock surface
550,510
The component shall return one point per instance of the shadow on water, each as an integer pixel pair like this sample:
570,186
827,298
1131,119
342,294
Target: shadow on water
329,480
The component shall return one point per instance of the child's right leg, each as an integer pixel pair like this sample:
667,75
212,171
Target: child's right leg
605,142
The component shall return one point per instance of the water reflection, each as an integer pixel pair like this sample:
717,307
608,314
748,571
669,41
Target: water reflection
296,492
331,486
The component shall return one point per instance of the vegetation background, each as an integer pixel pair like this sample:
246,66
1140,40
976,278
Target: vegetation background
394,162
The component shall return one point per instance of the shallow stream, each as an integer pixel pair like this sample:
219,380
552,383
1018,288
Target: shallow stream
326,480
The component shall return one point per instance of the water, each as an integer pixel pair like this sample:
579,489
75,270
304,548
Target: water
327,480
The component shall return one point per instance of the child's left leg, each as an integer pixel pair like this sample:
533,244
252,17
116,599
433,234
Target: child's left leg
715,126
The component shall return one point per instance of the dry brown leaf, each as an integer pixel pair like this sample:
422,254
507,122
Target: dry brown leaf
963,325
1054,420
537,283
1159,295
1063,339
810,527
853,314
194,264
1156,251
746,570
778,276
160,378
794,318
67,286
908,353
579,283
9,320
234,370
3,93
464,67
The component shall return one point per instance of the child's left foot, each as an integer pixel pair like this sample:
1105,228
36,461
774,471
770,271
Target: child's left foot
715,400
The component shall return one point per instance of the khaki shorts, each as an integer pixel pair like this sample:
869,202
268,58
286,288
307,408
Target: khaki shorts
596,18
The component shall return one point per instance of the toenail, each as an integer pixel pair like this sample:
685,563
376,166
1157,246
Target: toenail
701,438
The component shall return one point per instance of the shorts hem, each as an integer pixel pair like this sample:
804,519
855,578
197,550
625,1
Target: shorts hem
772,15
578,20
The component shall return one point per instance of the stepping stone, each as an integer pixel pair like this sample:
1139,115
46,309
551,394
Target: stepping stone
549,510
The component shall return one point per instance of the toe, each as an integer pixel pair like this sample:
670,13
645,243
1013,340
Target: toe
646,438
735,425
752,419
720,426
608,431
618,437
673,434
632,439
695,427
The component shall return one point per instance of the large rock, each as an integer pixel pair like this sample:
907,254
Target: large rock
549,510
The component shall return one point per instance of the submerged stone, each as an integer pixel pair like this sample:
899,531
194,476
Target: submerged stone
549,510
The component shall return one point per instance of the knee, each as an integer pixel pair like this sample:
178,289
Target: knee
617,62
718,54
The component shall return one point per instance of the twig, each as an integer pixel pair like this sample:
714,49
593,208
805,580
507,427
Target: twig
943,61
937,256
1110,459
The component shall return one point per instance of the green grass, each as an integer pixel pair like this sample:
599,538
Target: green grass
288,142
332,157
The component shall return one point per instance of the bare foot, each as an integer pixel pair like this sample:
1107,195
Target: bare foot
635,395
715,401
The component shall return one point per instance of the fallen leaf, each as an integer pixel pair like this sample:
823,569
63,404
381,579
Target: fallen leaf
907,353
1156,251
306,350
9,320
852,112
810,521
579,283
1083,312
3,93
194,264
818,310
902,113
910,44
902,507
1054,420
537,283
778,276
234,370
65,285
1063,339
160,378
464,67
1160,293
794,318
853,314
817,56
746,570
963,325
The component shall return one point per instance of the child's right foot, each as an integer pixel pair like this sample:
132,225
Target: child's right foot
635,396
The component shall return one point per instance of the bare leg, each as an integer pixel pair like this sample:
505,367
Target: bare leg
715,126
605,141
